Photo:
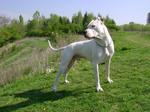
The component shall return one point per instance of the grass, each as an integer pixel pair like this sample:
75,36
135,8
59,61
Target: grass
27,56
130,91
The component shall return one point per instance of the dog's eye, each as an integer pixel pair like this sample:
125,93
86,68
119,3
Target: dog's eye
93,26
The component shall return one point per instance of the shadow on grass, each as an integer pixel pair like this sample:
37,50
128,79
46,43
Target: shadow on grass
34,97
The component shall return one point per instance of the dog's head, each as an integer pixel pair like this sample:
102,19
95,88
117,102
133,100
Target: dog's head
94,28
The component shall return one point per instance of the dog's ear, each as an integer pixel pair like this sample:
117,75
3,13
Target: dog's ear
100,18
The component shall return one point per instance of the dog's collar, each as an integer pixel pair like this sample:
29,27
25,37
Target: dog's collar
101,43
99,40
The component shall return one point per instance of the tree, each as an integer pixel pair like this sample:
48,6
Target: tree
64,20
55,22
110,23
87,18
34,26
77,18
77,22
64,25
36,15
21,20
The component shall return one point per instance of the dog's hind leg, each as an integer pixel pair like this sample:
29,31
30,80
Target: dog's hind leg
54,87
62,70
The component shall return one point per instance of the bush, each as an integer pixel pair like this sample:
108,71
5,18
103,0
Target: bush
110,23
146,27
11,32
135,27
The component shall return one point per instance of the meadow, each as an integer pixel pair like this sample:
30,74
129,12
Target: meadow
30,91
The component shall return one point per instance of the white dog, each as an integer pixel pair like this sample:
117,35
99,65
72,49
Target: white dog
98,49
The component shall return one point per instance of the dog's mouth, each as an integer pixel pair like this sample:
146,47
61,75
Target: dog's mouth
87,37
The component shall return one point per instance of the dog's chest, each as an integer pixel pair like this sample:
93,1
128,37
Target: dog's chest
102,56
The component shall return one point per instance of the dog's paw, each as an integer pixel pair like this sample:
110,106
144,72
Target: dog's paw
53,89
110,81
99,89
66,81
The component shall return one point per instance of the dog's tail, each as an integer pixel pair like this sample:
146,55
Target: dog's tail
54,49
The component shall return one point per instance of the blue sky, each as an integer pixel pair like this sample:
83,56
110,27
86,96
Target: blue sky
122,11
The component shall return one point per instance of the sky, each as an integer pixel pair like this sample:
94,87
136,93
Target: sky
122,11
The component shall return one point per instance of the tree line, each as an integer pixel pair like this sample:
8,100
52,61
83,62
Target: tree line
53,26
40,26
135,27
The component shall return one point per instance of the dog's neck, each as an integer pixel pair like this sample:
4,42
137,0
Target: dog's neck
102,42
104,37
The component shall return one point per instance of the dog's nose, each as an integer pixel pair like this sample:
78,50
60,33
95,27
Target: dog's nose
85,32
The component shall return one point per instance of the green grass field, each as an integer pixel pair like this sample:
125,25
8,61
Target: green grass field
130,91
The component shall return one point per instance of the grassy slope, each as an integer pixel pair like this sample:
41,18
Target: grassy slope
15,58
129,92
21,49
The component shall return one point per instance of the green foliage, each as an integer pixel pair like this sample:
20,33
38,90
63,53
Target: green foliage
77,23
110,23
55,26
21,21
146,27
14,31
87,18
52,27
34,28
135,27
36,15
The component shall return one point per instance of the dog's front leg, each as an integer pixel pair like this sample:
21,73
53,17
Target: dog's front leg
107,70
65,76
96,72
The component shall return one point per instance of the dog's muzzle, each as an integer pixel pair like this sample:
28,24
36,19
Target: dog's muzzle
85,34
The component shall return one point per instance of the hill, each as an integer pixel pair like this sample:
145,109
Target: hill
22,57
129,70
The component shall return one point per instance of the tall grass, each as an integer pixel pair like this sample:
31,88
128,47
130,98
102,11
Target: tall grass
30,56
37,62
21,58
